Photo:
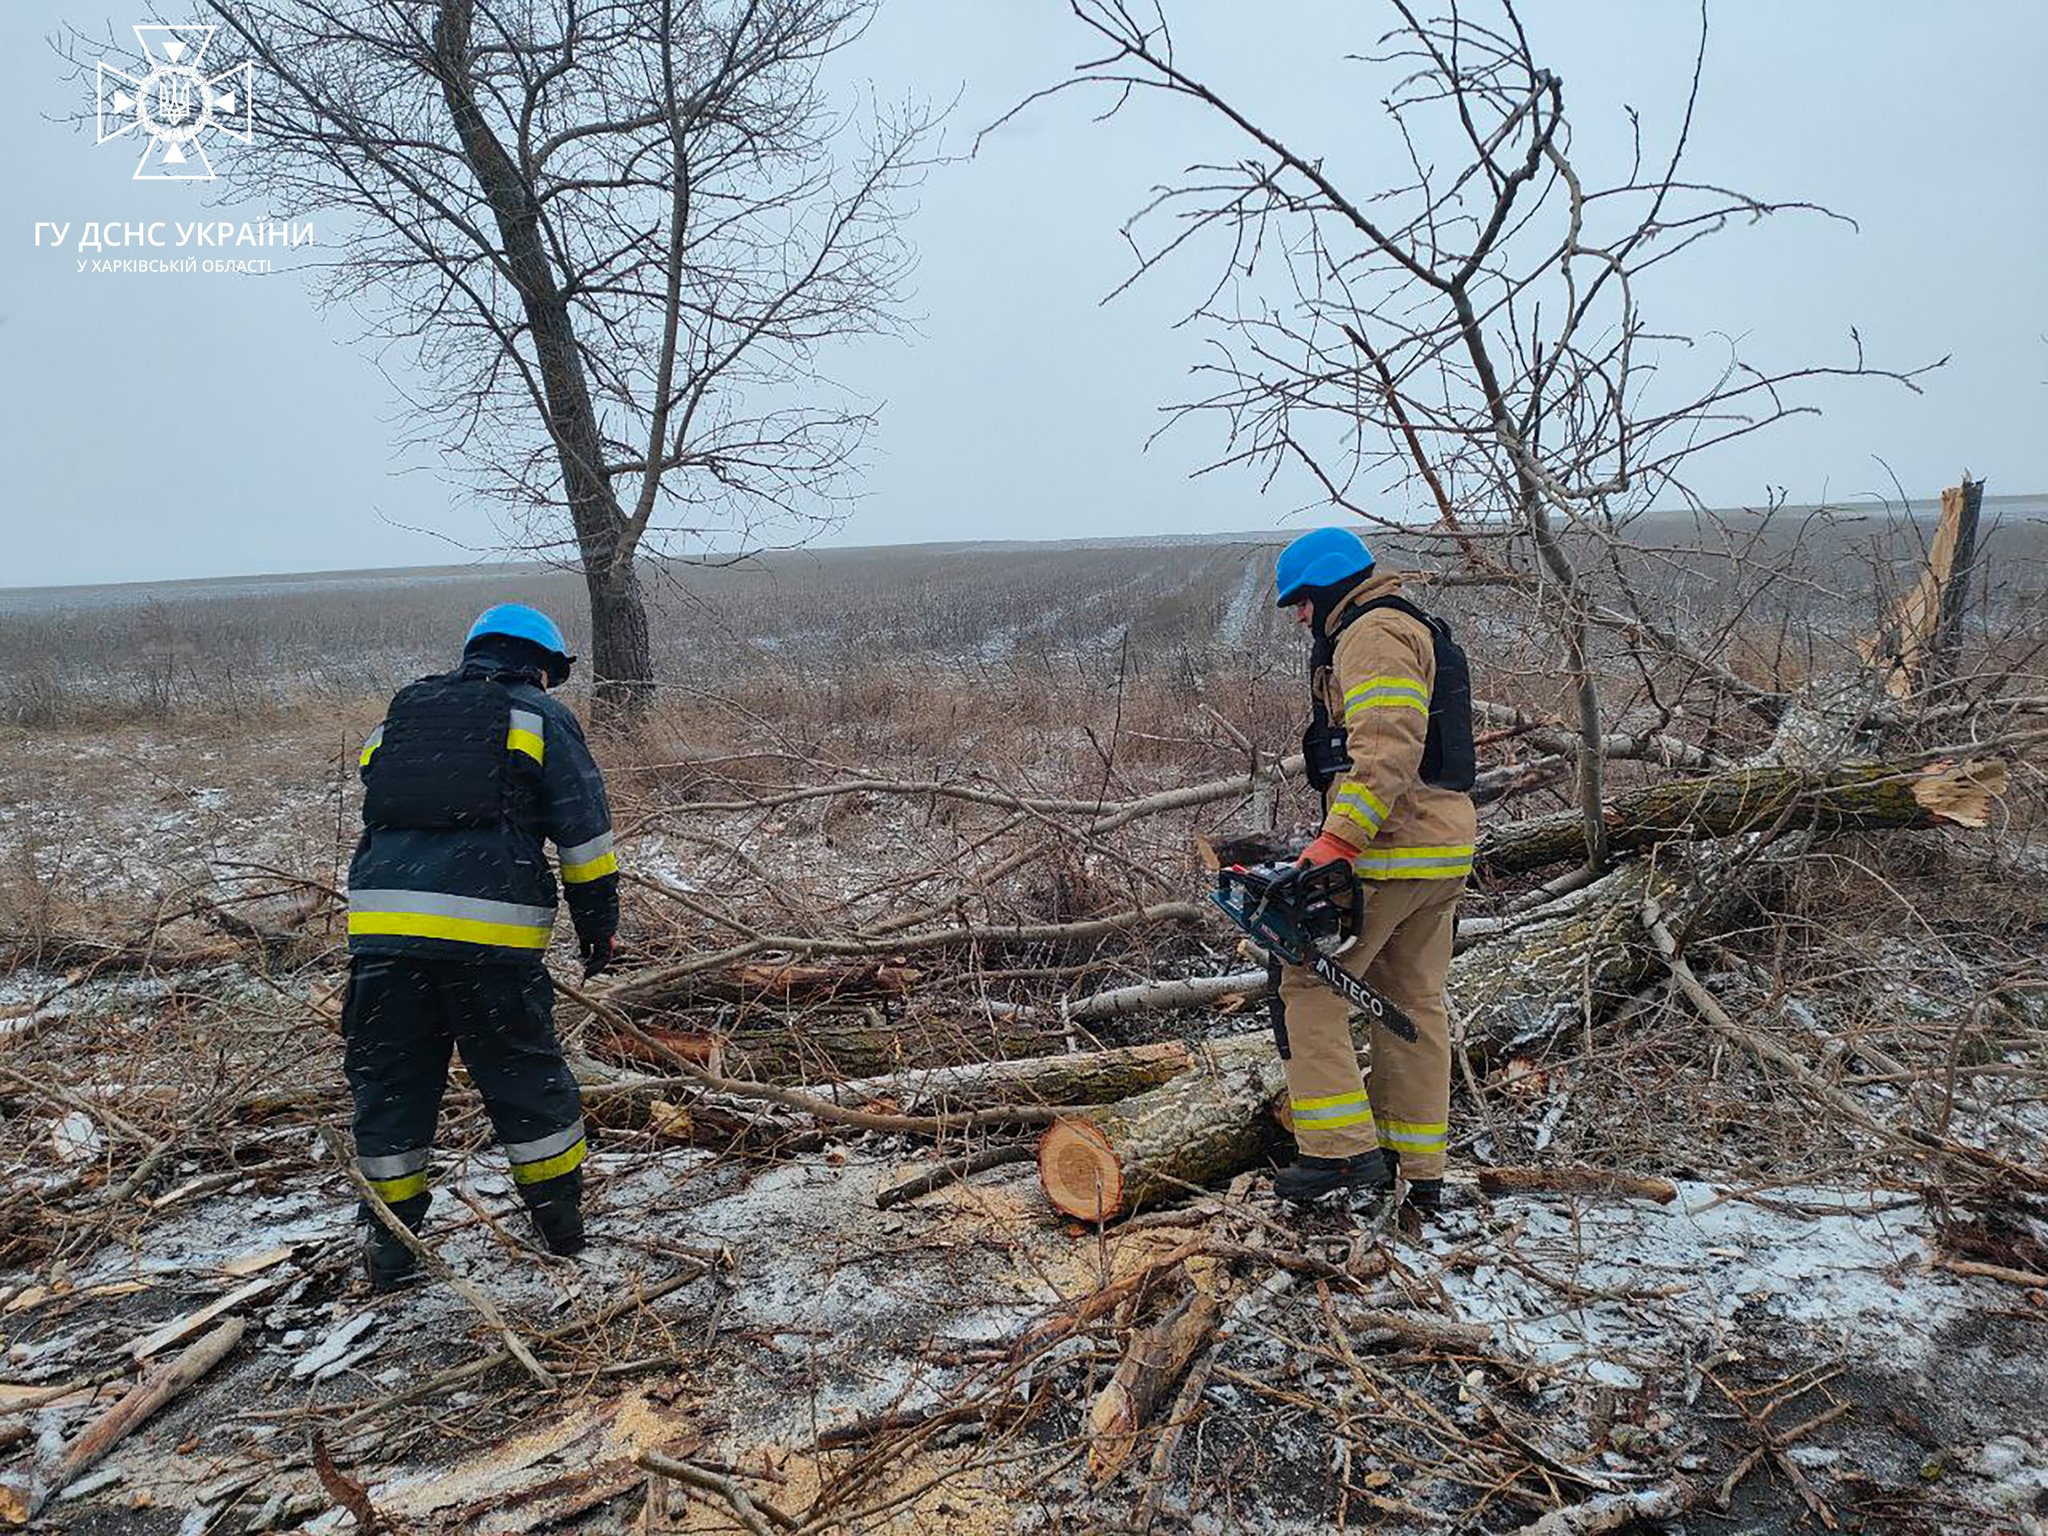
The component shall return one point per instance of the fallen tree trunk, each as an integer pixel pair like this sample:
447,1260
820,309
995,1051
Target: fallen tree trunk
1854,797
648,988
1857,797
1083,1077
827,1047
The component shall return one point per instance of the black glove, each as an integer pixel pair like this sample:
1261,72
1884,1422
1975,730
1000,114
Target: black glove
595,952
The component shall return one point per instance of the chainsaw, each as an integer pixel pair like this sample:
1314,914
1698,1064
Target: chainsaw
1305,917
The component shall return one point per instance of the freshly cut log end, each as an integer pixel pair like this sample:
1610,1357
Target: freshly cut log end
1210,1122
1080,1171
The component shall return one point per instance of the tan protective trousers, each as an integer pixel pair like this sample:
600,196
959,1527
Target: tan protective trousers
1403,952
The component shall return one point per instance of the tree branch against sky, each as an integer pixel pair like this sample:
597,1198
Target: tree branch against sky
1463,310
616,241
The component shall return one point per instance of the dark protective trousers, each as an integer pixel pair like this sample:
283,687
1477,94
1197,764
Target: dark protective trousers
402,1018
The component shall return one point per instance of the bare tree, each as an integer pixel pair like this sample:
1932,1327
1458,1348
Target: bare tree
615,237
1474,326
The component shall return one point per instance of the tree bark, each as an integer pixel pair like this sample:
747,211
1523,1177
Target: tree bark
1853,797
1083,1077
821,1047
1210,1122
621,657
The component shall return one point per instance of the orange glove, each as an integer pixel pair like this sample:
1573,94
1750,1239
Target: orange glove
1327,849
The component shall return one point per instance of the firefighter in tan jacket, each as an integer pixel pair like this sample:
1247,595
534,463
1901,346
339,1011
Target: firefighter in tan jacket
1393,774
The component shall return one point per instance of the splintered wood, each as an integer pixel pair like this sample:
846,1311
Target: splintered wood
1921,626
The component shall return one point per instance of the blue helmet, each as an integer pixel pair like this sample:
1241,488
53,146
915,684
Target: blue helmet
520,623
1320,559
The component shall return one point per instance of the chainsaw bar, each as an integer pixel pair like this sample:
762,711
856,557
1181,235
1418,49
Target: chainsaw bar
1306,917
1355,992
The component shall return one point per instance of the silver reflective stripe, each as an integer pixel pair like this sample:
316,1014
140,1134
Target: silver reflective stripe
438,904
546,1147
395,1166
1427,1141
583,853
374,740
527,720
1459,861
1342,1111
1355,799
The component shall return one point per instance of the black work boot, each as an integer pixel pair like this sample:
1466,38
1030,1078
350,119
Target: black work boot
556,1206
1309,1179
386,1261
1423,1196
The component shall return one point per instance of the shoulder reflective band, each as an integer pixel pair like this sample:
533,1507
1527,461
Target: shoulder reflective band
528,734
370,745
1386,693
461,919
588,861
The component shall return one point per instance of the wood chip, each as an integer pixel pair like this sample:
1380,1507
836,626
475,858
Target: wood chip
181,1328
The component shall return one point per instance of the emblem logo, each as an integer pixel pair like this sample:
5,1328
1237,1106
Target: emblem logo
177,104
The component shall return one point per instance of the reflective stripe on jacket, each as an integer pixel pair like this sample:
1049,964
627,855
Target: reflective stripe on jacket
486,893
1378,685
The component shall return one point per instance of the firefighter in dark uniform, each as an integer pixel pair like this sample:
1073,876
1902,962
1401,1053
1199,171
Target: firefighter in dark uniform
451,905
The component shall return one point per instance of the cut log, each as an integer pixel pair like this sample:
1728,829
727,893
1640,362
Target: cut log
1854,797
1207,1123
1154,1361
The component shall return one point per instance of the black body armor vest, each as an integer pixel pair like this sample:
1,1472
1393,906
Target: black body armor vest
1449,760
443,763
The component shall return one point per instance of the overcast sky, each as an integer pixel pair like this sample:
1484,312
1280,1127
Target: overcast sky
158,427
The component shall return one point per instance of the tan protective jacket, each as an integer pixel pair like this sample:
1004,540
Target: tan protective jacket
1378,685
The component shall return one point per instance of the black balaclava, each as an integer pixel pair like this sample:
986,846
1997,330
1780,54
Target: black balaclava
511,656
1323,602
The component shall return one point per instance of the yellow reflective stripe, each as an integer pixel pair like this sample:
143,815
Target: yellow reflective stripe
1330,1103
1355,813
1356,803
517,740
551,1167
1416,863
1332,1113
1414,685
391,1191
463,930
1333,1122
606,863
1386,693
1425,1135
